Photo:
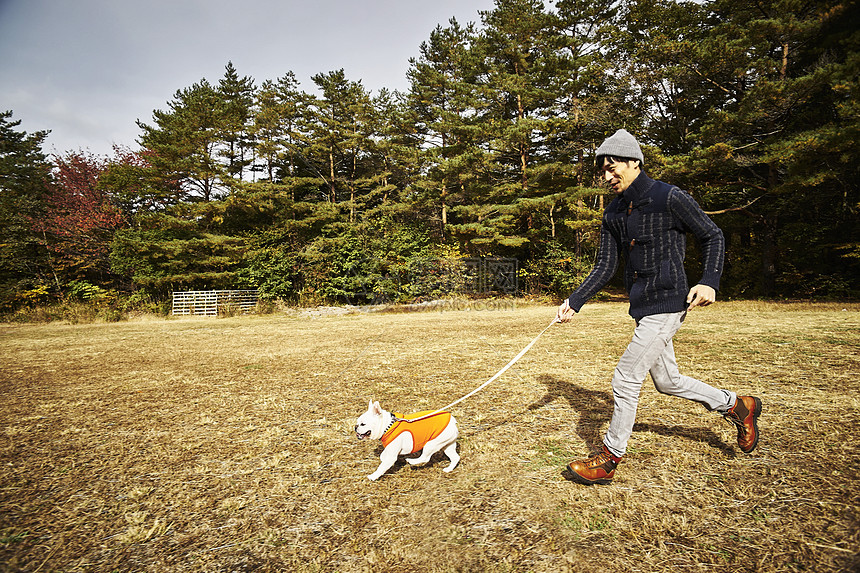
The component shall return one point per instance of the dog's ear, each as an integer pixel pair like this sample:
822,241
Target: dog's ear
369,405
377,409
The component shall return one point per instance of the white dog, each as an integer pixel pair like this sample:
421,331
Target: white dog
400,437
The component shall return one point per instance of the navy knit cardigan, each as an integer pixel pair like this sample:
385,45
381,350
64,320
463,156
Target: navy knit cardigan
647,225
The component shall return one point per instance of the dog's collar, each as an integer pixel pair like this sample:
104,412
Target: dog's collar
394,420
391,423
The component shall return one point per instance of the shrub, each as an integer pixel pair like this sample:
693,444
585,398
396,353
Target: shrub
83,291
558,271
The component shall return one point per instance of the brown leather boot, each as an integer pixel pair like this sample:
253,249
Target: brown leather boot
744,414
597,469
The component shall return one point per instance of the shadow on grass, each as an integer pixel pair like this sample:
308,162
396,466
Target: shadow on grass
595,409
401,461
704,435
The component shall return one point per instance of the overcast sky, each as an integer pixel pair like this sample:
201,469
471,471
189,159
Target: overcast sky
88,69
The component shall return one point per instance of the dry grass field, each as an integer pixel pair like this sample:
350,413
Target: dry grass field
228,445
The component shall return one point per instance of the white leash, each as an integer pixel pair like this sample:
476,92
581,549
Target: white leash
488,382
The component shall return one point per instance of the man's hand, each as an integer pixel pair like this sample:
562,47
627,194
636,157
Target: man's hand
701,295
564,313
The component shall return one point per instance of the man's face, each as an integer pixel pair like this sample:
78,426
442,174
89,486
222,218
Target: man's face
620,174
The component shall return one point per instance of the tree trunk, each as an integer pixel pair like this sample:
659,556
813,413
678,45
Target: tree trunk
352,188
332,190
524,148
443,200
580,156
768,256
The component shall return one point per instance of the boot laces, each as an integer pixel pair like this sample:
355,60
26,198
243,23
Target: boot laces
600,459
736,420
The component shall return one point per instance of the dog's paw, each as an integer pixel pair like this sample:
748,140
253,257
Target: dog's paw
372,477
413,461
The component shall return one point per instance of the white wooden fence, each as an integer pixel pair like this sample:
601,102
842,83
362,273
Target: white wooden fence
209,302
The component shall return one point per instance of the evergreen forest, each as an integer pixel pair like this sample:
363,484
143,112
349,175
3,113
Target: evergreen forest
332,194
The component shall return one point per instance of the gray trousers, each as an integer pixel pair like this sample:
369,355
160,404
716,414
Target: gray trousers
651,351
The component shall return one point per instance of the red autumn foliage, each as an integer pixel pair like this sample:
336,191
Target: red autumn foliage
80,219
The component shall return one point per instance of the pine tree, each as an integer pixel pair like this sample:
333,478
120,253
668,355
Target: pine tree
24,177
762,150
340,133
277,124
395,144
592,104
183,143
442,98
531,80
236,115
166,253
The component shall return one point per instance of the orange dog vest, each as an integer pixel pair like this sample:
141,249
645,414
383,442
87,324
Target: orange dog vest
422,430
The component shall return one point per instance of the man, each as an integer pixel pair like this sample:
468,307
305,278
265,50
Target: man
646,224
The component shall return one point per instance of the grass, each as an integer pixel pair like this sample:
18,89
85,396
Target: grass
227,445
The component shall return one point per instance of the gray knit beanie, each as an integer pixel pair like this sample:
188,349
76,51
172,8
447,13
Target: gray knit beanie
621,144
